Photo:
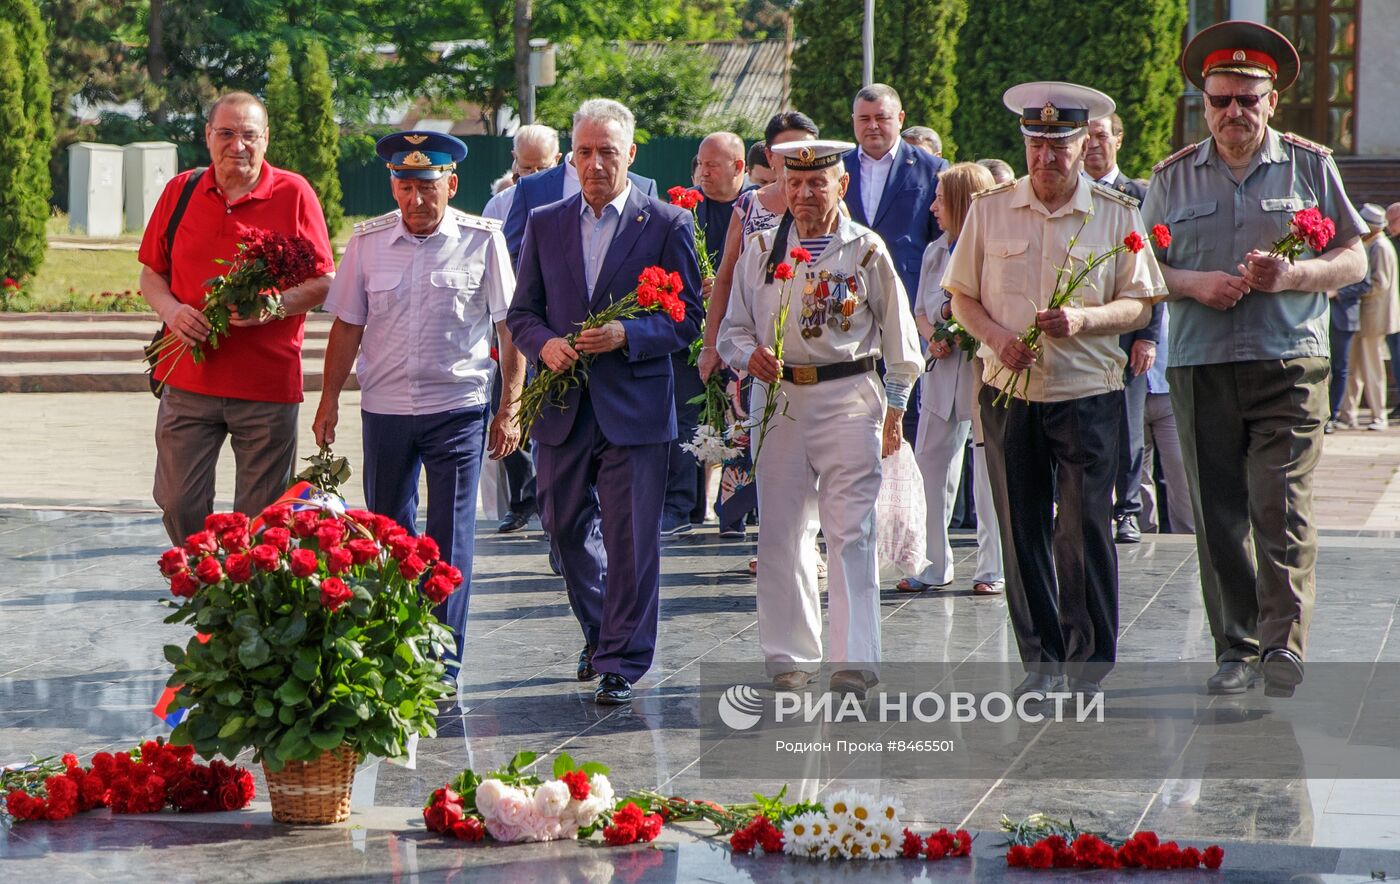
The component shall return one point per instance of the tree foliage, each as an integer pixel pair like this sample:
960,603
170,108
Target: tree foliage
320,133
16,131
283,100
26,200
916,47
1126,50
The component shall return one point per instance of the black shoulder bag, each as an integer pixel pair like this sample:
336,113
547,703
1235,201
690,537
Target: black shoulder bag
170,228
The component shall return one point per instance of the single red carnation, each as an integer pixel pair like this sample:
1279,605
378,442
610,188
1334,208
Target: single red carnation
913,845
628,814
334,593
1162,235
209,571
963,845
1018,857
742,841
620,834
1212,857
23,806
303,562
265,557
1134,242
1042,856
938,845
783,271
800,255
577,781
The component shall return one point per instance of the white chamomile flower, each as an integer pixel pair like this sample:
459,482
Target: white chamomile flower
862,808
801,831
880,846
838,806
889,810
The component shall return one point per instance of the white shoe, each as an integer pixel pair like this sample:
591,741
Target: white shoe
1378,425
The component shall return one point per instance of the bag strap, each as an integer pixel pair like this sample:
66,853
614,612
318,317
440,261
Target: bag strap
180,204
779,247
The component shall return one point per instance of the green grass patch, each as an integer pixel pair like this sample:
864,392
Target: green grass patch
105,280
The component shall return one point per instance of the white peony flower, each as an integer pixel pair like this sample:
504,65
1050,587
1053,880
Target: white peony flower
551,798
513,806
501,832
488,793
587,810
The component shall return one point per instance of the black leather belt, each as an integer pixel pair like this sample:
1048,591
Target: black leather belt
804,375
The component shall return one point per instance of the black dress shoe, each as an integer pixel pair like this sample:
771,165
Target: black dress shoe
586,672
613,690
1126,530
1083,687
514,521
1037,683
1283,672
1233,677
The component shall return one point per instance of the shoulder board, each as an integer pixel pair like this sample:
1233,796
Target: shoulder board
1185,151
1005,185
465,220
760,239
869,253
1305,144
1117,196
386,220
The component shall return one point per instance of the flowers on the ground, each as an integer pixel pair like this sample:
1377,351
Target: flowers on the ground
1309,229
146,779
657,290
1043,842
1068,280
267,264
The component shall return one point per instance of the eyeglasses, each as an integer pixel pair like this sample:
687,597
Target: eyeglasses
248,136
1220,102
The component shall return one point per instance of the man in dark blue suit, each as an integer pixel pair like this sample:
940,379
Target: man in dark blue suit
891,192
602,457
543,188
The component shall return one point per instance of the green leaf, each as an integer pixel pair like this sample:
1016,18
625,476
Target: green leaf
563,764
347,648
286,715
231,696
594,767
327,740
407,708
292,692
264,708
253,652
231,727
521,760
295,630
175,654
304,670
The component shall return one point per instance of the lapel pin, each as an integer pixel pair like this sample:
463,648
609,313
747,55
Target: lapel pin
639,216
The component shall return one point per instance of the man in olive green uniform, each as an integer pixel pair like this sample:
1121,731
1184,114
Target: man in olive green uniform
1249,348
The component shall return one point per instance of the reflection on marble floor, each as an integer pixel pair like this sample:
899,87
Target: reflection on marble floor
81,663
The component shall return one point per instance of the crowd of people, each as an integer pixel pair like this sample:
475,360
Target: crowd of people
1183,380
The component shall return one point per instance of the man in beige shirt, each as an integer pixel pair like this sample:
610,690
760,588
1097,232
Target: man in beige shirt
1062,432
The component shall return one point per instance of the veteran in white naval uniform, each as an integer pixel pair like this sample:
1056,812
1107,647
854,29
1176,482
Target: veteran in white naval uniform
822,461
416,296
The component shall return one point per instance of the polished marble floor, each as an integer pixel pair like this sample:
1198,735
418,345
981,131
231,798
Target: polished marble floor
81,664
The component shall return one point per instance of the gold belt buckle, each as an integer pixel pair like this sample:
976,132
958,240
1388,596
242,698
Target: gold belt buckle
804,375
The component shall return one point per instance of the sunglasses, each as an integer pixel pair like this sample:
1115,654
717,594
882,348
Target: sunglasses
1220,102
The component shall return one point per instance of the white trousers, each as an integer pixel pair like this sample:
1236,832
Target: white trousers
1366,377
820,462
939,453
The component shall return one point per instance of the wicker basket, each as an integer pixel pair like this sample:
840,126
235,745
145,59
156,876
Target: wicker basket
313,792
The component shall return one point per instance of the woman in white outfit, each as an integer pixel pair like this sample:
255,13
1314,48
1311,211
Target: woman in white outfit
948,413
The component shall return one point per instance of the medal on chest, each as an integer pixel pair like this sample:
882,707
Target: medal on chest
844,301
816,304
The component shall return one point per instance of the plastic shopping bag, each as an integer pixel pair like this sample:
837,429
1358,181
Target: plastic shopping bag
900,514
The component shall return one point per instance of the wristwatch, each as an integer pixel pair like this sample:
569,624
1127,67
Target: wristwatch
279,311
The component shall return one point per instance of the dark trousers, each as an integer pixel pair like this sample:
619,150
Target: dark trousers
1127,488
601,506
519,467
1393,342
683,499
1061,565
1340,345
448,447
1251,434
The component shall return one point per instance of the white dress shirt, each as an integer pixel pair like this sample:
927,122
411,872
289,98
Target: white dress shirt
873,175
427,309
498,207
598,233
571,185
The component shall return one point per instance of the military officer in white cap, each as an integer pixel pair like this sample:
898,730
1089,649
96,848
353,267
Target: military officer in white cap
1063,433
848,311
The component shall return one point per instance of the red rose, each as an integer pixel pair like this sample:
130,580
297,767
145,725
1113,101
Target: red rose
173,561
577,781
412,567
437,589
239,567
189,796
209,571
334,593
330,533
620,834
201,543
304,523
303,562
362,549
339,560
428,549
231,796
402,546
235,539
1134,242
468,829
279,515
265,557
1212,857
800,255
452,574
184,585
442,816
783,271
1162,235
444,794
278,537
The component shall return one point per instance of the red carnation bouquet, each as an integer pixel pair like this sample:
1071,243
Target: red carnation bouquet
267,264
1068,280
657,291
1308,229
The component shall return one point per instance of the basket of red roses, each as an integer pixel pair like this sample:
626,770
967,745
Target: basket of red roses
315,646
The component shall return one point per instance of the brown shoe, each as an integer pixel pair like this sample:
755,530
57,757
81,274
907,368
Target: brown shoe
792,681
851,681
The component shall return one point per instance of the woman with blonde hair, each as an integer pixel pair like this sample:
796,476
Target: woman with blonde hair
949,412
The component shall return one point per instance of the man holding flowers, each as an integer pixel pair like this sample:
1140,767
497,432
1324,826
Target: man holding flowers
603,449
248,389
1048,271
815,305
1249,345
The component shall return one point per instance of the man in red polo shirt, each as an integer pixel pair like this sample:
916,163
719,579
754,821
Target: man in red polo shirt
250,387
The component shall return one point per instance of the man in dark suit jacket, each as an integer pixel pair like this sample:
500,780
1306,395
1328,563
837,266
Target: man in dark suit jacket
543,188
602,457
1101,164
891,190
